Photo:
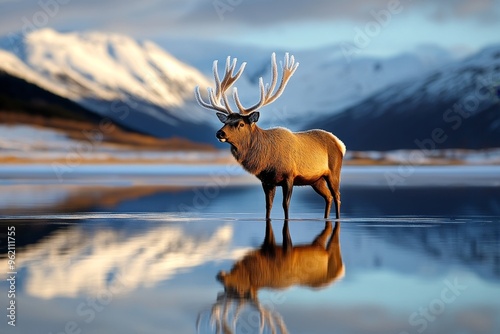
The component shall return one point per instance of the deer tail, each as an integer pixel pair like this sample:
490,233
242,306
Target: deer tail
340,144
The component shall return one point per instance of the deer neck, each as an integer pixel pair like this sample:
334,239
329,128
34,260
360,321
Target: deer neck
253,151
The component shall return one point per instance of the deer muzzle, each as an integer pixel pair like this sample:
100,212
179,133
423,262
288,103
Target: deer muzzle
221,135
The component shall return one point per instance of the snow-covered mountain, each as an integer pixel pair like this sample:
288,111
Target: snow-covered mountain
144,88
325,83
137,84
456,106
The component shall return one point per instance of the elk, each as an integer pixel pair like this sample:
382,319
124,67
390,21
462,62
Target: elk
278,267
276,156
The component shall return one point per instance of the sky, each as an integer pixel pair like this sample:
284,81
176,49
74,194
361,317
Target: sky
383,27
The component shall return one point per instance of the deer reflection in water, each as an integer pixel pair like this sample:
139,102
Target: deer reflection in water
314,265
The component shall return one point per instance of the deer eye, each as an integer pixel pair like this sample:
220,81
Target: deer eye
241,124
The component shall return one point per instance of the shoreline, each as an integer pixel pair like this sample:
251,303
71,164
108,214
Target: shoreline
191,175
448,157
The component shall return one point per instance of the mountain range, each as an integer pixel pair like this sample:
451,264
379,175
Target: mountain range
135,84
371,103
24,106
324,83
456,106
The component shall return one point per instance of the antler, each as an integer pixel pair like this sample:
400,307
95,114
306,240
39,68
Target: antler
220,87
228,307
266,92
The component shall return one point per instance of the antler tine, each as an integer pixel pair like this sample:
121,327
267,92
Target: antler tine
218,317
221,87
274,80
215,103
215,71
245,111
206,105
225,316
219,92
228,76
239,307
282,325
263,317
289,67
215,317
266,91
272,318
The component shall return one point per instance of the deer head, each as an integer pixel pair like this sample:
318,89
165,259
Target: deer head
239,126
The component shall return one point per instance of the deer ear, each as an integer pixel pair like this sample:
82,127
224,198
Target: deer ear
254,117
222,117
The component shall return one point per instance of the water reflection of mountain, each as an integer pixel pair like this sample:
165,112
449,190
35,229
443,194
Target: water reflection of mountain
446,229
88,258
418,201
53,251
22,199
460,243
39,199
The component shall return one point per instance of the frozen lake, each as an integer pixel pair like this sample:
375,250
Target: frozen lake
136,249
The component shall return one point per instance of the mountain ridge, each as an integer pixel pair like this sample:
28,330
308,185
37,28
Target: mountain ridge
24,103
136,84
142,87
456,106
324,83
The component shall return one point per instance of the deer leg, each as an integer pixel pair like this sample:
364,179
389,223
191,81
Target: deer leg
334,186
269,239
335,263
320,240
287,239
287,195
334,240
269,190
269,244
321,188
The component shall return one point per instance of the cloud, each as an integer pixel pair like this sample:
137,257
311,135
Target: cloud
259,22
202,17
265,12
481,11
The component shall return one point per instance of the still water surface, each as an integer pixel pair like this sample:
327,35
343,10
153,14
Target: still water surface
130,258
